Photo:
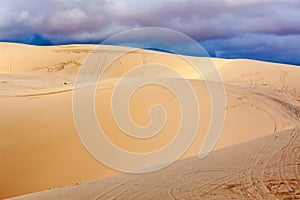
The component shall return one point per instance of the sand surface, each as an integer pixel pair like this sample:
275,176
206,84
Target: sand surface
264,168
256,157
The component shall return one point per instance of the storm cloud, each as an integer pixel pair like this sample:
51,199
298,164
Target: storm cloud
258,29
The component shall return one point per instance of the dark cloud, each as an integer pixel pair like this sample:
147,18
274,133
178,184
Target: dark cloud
223,26
283,49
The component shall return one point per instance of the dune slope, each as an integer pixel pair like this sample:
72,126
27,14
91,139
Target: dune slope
264,168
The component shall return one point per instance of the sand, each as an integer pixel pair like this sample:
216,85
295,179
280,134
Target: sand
264,168
256,156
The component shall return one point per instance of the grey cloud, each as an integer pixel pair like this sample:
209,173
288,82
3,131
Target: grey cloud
200,19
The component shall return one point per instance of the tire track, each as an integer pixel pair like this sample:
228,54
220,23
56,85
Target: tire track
270,173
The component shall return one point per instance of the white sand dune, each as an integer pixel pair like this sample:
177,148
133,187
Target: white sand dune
256,156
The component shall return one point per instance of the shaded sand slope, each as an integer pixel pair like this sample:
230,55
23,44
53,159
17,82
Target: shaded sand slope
40,147
264,168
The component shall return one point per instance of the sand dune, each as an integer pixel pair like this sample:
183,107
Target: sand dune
256,156
264,168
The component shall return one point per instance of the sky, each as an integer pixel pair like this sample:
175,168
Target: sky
266,30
